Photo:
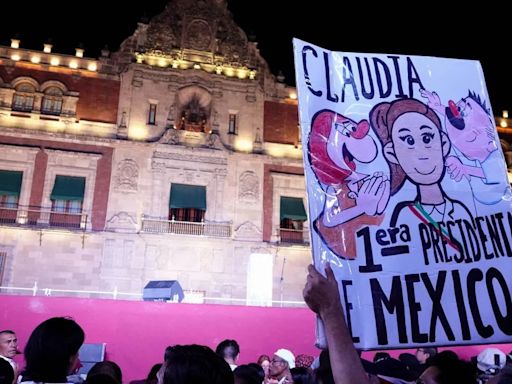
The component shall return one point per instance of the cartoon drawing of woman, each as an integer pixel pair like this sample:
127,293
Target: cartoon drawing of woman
416,148
353,200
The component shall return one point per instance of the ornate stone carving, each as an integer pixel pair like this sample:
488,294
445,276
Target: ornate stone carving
122,222
249,187
164,30
205,27
199,35
248,231
211,140
127,176
170,136
190,158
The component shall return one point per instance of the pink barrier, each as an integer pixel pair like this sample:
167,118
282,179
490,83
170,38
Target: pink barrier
137,332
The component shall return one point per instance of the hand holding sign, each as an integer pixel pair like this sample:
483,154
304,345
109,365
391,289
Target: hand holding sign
321,293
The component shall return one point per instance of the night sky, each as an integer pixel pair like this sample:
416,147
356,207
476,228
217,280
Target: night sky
448,29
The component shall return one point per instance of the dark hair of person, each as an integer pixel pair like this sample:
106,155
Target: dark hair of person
258,369
451,368
7,331
196,364
430,350
50,348
153,371
262,358
228,349
246,374
301,375
105,372
101,378
411,363
167,353
380,356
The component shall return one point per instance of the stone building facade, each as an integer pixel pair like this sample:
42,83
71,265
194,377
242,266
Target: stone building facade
177,157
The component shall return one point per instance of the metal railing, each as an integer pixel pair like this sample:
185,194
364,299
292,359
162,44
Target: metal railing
293,236
41,218
191,296
207,228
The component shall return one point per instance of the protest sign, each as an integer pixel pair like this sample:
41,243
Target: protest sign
408,196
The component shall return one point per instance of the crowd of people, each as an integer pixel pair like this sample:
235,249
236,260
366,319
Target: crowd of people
52,350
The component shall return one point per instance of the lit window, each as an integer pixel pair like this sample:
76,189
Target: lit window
152,114
192,215
67,206
52,101
187,203
23,99
232,124
67,197
292,218
8,201
10,187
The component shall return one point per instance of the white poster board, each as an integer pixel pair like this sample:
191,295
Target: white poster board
408,196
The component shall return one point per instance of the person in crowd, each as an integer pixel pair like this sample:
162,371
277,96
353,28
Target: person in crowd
259,369
264,362
302,375
198,364
152,376
51,352
105,372
423,353
304,361
446,368
248,374
229,350
489,362
282,361
8,349
379,356
411,363
388,367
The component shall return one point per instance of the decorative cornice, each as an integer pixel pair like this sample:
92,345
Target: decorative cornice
189,158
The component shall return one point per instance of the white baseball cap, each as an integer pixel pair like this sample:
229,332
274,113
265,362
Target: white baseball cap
486,359
287,356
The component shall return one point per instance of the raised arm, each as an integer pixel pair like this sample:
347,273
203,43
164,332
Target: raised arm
322,296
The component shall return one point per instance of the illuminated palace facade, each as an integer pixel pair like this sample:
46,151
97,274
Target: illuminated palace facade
175,158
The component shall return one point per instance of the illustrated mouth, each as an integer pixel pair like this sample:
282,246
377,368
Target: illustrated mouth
426,173
455,119
470,141
348,157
